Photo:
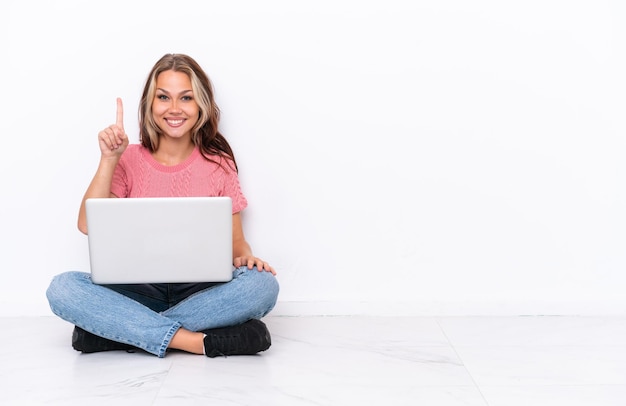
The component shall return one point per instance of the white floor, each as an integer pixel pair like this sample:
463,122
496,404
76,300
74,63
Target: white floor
494,361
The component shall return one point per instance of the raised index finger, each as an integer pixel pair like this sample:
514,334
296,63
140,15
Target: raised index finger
120,114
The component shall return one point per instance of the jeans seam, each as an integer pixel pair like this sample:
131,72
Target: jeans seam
167,339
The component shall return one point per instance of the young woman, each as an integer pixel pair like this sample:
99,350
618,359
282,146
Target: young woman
181,153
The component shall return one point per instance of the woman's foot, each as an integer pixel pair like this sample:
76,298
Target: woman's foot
87,342
248,338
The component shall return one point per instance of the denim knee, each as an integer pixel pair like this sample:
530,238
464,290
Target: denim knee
271,288
63,290
263,286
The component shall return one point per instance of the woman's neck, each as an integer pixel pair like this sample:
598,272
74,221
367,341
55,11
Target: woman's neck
173,152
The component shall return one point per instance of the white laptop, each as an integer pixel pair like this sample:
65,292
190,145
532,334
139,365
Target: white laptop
160,239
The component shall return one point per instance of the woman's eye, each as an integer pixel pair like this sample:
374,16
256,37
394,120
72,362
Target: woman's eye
162,97
187,98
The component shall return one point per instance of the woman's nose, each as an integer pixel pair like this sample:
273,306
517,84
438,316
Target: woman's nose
174,107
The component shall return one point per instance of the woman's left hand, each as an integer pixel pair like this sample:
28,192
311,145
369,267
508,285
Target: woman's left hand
251,262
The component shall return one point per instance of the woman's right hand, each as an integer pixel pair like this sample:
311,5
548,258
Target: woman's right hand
113,139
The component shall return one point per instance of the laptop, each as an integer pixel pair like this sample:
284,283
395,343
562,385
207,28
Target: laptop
160,239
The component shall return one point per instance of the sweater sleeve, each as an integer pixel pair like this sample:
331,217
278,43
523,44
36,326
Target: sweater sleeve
231,187
119,184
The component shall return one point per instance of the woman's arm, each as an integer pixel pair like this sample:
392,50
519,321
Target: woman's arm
113,141
242,253
100,186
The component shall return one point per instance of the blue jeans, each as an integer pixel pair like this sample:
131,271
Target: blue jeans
148,316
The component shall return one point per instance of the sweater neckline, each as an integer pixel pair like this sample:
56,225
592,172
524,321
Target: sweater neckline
195,153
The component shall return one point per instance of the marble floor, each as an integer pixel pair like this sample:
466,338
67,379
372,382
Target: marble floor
486,361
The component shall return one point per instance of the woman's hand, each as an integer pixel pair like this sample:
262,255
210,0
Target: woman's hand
113,139
251,262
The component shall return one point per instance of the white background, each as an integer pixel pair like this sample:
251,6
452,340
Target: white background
399,157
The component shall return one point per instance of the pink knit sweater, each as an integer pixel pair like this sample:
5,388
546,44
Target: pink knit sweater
138,174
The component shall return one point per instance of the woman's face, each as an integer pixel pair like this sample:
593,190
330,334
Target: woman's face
174,107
